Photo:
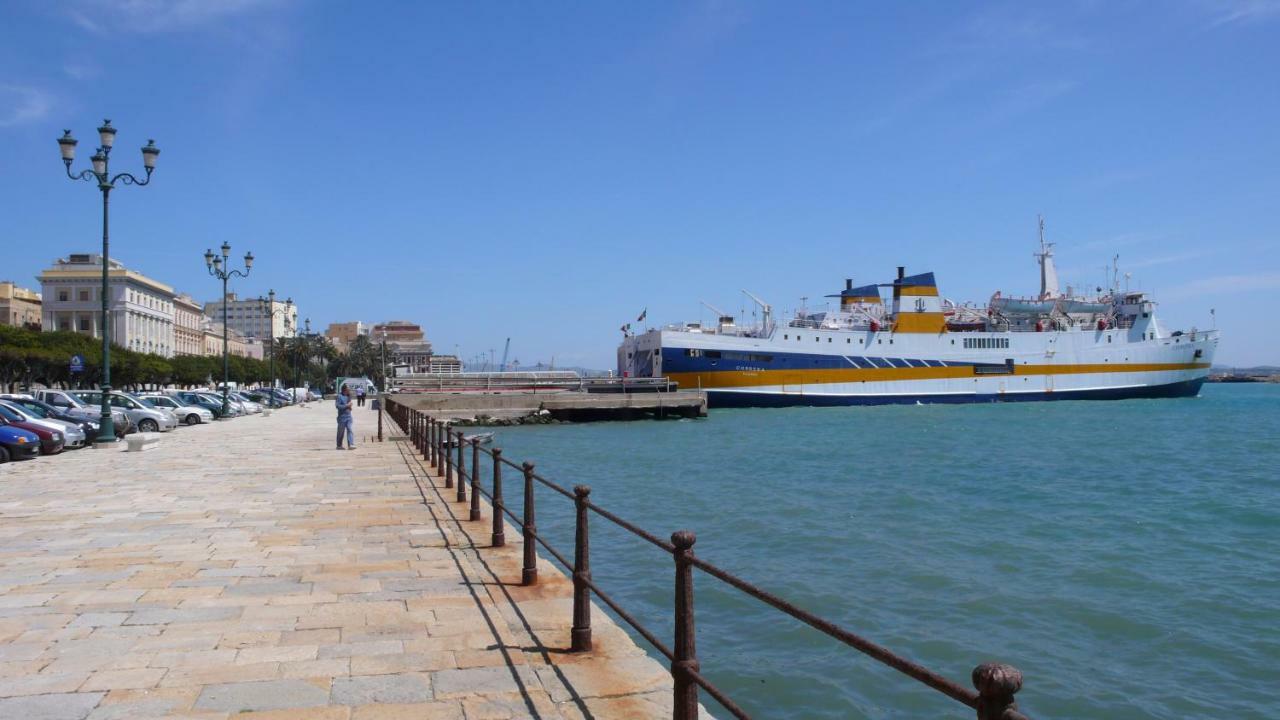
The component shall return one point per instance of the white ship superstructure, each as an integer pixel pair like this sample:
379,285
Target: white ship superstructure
923,348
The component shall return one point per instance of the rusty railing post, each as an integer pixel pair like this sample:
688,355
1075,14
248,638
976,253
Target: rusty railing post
498,537
462,469
580,635
475,479
447,455
996,684
431,441
685,696
529,572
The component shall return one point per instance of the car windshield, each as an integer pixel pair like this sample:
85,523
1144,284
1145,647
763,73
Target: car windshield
9,415
145,402
34,409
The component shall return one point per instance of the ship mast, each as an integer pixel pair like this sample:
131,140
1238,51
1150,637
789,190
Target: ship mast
1048,272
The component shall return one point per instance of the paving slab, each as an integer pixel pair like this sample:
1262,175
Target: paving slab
247,570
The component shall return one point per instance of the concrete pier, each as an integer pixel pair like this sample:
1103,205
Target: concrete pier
248,570
572,406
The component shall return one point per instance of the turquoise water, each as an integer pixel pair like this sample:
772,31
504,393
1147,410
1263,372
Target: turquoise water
1124,555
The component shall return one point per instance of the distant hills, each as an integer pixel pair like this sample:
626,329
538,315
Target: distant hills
1256,370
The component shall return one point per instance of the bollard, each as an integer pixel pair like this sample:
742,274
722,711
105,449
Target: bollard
446,456
686,654
462,469
498,536
475,479
996,684
580,635
529,573
431,443
377,407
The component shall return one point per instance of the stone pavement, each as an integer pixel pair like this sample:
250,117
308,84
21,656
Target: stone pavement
246,569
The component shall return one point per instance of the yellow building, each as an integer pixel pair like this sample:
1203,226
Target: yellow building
19,306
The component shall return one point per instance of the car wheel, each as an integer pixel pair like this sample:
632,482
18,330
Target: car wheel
193,419
4,455
148,426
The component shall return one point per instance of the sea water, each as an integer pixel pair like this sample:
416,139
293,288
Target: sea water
1124,555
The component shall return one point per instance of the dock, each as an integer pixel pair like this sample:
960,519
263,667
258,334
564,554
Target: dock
248,570
557,396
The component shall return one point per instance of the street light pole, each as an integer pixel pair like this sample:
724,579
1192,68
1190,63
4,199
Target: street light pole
216,268
271,311
106,183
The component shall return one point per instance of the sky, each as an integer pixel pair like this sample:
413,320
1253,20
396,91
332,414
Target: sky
546,171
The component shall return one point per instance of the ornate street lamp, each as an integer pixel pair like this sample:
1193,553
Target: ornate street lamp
220,267
270,310
100,173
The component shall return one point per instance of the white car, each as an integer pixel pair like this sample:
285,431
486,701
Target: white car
186,414
146,419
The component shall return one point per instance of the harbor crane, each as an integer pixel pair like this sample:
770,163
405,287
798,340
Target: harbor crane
505,351
765,308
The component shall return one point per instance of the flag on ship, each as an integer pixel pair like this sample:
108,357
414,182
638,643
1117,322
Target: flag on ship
643,314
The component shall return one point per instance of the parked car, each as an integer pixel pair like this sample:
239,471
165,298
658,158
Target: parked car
73,437
249,403
46,411
66,402
281,397
51,441
16,443
188,414
234,407
191,397
146,419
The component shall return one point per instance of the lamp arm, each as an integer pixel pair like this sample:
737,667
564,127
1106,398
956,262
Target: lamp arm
129,179
83,174
234,273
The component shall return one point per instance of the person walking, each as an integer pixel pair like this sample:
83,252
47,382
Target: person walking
343,403
360,396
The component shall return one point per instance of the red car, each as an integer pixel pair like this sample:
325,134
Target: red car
51,441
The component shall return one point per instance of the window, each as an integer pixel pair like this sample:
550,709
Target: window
63,296
84,296
786,337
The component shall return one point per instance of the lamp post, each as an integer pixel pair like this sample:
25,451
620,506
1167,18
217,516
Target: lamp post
304,355
220,267
100,173
269,308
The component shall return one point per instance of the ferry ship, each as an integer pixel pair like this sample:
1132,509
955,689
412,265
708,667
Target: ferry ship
922,348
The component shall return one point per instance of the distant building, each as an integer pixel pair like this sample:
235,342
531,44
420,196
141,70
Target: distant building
444,365
188,326
398,331
255,348
236,343
141,310
19,306
343,334
251,317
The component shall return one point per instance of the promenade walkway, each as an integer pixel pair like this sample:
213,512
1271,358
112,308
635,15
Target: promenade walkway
248,570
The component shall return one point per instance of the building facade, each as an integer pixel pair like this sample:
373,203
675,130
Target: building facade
188,326
140,310
254,317
236,343
19,306
343,334
398,331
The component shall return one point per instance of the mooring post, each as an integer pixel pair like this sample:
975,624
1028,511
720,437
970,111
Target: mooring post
498,537
686,654
529,573
580,635
431,442
475,479
996,684
462,469
447,455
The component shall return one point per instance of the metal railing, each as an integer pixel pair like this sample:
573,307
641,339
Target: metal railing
445,450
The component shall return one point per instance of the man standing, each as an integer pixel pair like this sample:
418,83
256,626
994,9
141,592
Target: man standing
360,396
343,403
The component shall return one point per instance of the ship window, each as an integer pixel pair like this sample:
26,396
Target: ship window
786,337
828,339
859,341
879,341
848,341
817,339
1108,338
712,353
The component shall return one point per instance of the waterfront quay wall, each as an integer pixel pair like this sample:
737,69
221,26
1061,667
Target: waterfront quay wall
567,406
472,474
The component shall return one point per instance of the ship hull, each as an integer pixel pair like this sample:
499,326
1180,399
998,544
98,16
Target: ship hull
813,367
774,399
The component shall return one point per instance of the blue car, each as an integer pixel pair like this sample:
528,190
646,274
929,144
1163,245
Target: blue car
16,443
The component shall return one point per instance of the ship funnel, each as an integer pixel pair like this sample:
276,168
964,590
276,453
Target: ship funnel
848,283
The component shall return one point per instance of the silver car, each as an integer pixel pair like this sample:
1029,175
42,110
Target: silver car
65,401
146,419
73,435
234,407
187,414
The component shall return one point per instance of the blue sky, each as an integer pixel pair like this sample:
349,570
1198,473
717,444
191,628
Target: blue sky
545,171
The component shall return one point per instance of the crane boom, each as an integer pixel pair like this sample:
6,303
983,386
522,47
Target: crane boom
505,351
